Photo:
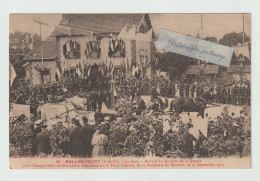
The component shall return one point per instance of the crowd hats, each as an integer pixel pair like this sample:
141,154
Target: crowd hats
44,126
38,122
75,121
107,118
85,119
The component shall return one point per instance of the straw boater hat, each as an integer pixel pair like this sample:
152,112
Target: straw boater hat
85,119
107,118
38,122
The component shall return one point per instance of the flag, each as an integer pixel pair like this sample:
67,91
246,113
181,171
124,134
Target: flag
124,66
123,33
68,47
131,33
115,93
80,69
40,22
58,72
158,90
133,70
12,74
242,50
137,69
111,68
127,63
89,69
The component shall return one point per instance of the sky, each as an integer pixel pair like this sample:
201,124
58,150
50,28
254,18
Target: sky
189,24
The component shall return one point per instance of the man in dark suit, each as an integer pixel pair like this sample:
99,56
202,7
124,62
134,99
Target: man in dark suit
87,131
36,130
43,142
75,137
99,116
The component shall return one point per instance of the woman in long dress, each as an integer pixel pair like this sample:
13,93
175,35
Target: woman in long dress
99,143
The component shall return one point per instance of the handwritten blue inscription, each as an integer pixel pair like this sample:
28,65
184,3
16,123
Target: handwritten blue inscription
194,47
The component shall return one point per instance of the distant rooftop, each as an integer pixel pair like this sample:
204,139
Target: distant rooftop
210,69
48,49
237,69
81,24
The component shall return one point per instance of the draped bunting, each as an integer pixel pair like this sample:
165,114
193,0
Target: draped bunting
242,50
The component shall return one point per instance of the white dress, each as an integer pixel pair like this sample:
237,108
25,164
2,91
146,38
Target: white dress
99,142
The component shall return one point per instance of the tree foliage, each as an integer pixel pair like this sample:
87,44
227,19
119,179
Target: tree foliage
232,39
20,44
175,64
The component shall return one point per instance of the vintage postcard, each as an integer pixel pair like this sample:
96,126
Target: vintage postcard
124,91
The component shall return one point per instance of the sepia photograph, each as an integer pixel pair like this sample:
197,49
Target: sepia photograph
130,91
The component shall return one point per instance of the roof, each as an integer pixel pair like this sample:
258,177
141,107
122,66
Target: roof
237,69
210,69
96,23
48,50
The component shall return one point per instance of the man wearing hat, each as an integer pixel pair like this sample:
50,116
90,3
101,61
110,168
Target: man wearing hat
75,136
131,142
87,131
43,142
99,116
36,130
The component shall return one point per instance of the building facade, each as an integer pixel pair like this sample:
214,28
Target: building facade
89,39
38,58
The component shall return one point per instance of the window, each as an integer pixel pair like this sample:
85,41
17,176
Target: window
143,29
93,49
71,50
73,73
116,49
46,76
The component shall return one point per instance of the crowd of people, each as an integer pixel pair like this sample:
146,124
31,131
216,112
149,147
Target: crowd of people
139,136
59,91
235,92
101,134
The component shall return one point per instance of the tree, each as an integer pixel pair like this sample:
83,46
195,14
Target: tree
20,44
232,39
36,39
174,63
211,39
